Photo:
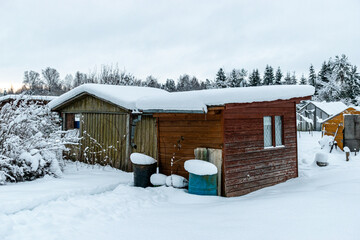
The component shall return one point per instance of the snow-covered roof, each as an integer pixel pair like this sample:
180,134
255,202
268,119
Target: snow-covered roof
356,108
29,97
124,96
201,99
153,99
330,108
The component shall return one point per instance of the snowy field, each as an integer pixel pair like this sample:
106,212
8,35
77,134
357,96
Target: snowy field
100,203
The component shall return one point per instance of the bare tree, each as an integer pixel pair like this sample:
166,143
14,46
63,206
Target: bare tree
52,79
33,82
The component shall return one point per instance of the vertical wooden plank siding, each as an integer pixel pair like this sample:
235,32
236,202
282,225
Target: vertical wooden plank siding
106,138
146,136
197,130
248,166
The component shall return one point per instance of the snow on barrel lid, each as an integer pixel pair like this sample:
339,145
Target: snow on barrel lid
141,159
200,167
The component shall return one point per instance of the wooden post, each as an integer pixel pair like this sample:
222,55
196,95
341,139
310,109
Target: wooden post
347,156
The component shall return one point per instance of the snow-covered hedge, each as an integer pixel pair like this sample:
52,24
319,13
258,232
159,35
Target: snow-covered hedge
31,141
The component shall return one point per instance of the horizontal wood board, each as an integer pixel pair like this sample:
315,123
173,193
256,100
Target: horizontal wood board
248,166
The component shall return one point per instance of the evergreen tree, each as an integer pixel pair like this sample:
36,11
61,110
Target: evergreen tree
233,80
183,83
202,85
293,80
336,80
242,77
303,80
209,84
194,84
170,85
237,78
351,89
287,79
324,73
220,80
312,76
278,76
152,82
254,78
268,76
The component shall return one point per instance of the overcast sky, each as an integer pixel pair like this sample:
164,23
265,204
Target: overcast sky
169,38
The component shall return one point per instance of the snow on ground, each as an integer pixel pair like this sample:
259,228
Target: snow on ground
97,203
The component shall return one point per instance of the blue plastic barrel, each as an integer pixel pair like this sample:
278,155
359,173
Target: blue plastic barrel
203,185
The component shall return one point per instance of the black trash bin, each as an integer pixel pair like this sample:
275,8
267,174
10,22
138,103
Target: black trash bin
142,174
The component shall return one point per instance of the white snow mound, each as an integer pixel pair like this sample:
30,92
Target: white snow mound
200,167
346,149
176,181
141,159
321,157
158,179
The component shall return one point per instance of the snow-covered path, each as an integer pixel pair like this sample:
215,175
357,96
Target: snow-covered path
323,203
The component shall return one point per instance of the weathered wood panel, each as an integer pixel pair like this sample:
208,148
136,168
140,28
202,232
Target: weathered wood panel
146,137
331,125
249,166
105,139
69,120
89,103
197,130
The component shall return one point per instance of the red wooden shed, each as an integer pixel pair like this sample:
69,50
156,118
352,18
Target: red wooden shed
249,132
254,128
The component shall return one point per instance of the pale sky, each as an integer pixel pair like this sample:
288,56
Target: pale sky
169,38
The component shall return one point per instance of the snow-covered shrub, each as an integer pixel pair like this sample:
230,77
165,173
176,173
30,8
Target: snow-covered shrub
326,141
31,141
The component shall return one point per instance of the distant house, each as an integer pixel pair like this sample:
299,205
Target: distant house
310,115
252,130
31,98
345,127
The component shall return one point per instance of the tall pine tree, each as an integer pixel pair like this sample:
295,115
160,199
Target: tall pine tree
293,79
237,78
303,80
254,78
278,76
220,80
287,79
312,76
268,76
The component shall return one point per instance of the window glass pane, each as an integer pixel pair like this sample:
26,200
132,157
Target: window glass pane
267,132
278,131
77,121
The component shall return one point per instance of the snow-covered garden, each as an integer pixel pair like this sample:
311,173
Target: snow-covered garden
92,202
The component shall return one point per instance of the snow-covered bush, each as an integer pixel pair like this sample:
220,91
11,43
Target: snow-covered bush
326,141
31,141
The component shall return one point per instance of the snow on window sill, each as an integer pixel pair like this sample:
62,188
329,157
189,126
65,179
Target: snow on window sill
276,147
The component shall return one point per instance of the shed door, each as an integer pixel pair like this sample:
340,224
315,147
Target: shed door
352,131
105,139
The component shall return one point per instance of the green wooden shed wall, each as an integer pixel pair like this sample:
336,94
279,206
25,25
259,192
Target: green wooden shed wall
109,133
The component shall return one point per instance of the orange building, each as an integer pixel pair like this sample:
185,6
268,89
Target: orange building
334,125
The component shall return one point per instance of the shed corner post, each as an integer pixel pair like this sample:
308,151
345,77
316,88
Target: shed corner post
296,145
223,168
128,146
